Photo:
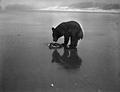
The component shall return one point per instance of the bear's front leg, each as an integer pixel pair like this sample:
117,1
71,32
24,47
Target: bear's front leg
74,42
66,40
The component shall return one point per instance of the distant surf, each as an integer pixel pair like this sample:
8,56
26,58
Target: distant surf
67,9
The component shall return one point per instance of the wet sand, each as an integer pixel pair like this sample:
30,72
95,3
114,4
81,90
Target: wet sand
28,65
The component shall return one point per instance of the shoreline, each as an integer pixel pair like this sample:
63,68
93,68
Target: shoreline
66,11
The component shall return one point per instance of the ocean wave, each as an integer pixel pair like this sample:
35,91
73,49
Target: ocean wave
56,8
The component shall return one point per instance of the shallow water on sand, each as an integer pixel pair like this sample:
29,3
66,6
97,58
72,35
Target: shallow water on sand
28,65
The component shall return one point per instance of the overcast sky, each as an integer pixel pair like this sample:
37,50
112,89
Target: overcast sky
45,3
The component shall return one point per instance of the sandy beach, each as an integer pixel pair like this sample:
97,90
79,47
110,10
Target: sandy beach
28,65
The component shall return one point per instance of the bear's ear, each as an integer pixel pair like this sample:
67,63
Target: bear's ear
53,28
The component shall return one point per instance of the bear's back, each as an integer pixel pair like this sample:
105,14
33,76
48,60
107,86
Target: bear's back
73,25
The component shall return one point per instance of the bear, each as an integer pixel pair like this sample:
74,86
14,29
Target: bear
71,30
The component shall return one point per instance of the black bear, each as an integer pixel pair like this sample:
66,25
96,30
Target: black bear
70,30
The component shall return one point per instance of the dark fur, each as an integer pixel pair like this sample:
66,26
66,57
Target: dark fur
70,30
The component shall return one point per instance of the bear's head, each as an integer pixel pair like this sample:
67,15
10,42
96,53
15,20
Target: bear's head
55,34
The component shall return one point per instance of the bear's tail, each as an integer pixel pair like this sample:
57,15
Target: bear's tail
80,35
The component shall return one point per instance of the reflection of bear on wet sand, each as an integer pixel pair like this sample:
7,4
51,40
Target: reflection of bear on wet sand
69,59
